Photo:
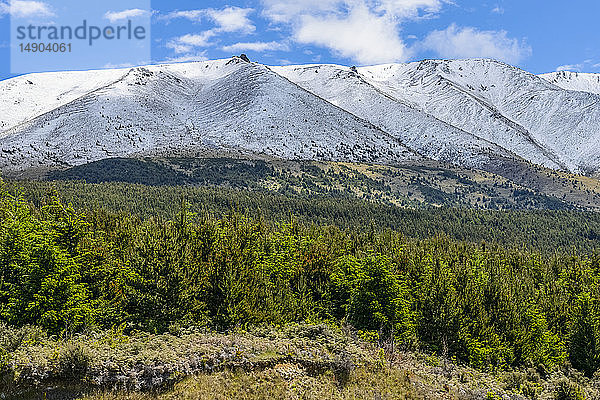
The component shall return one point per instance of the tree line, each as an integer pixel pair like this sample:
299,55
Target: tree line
487,305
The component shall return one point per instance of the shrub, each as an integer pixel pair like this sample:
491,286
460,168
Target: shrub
73,361
567,390
372,297
584,348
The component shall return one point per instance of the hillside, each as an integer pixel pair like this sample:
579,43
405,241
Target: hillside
348,90
264,363
198,109
406,184
578,81
556,227
478,114
503,104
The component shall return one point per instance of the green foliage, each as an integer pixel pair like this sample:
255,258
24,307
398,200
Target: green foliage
42,276
584,348
567,390
537,344
485,305
372,297
546,231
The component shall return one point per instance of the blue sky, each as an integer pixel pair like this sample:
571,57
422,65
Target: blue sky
539,36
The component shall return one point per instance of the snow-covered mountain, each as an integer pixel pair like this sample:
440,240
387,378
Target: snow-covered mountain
578,81
503,104
28,96
473,113
194,109
353,91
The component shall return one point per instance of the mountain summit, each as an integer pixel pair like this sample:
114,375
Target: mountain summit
472,113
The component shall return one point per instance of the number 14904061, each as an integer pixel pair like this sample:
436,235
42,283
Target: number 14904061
45,47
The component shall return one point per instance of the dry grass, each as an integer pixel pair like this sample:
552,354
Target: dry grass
285,381
294,362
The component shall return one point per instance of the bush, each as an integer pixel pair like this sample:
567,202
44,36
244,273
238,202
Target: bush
567,390
584,348
43,279
12,338
73,362
371,296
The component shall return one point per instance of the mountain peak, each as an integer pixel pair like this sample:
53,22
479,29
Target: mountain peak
471,112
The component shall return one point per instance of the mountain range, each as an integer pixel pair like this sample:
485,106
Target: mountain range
475,114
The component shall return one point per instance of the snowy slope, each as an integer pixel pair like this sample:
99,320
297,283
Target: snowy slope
578,81
26,97
502,104
349,90
193,109
475,113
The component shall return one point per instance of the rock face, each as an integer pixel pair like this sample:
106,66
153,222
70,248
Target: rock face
473,113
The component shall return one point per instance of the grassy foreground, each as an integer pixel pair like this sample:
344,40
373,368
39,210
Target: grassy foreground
293,362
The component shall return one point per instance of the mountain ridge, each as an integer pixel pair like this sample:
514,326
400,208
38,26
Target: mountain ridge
575,81
473,113
439,87
154,113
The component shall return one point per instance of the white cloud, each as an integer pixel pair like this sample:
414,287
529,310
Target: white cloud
232,19
410,9
570,67
200,40
256,46
192,15
114,16
117,66
228,19
361,36
367,31
287,10
583,66
26,9
179,48
467,42
498,10
187,43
